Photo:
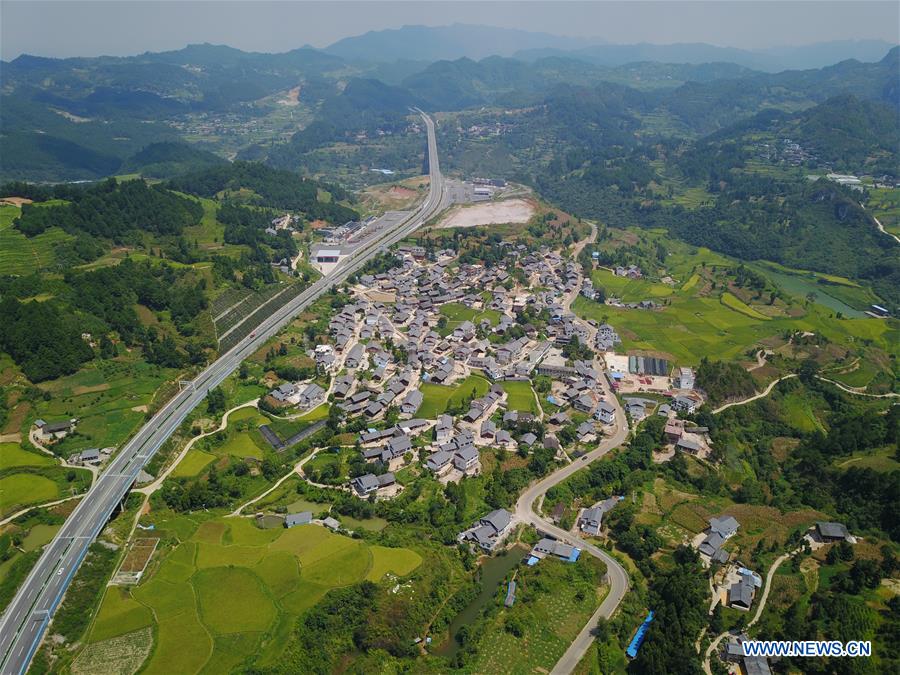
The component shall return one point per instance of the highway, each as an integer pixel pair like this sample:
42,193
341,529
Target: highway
25,620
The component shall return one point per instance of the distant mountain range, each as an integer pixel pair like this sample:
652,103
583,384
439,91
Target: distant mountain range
435,43
768,60
83,118
427,43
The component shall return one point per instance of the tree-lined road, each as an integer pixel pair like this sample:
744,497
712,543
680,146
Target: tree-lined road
25,620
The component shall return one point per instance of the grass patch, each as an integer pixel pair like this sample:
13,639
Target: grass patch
22,489
398,561
13,455
39,536
240,445
437,397
883,459
193,463
520,396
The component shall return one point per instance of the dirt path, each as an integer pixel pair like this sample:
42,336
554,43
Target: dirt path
296,471
761,605
755,397
760,361
884,231
45,505
36,442
856,390
156,484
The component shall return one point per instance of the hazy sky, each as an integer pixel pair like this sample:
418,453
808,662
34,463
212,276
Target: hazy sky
78,28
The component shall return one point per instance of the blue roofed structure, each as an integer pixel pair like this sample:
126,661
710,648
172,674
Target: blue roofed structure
639,636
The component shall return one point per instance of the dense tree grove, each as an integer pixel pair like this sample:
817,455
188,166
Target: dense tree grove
44,341
679,597
110,294
245,225
112,210
722,380
45,338
277,188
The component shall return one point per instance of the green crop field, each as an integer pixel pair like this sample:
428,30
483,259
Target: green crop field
193,463
18,490
630,290
14,455
737,305
437,397
519,396
230,589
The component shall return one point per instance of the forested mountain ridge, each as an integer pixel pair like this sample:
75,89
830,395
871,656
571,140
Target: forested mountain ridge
83,118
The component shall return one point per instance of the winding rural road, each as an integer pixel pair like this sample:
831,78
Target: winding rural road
524,512
26,618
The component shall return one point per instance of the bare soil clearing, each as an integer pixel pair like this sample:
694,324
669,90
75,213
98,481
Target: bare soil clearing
491,213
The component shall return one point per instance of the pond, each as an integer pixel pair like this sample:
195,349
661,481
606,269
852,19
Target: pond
493,572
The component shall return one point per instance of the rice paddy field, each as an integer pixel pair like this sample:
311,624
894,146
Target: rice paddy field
224,589
437,397
692,325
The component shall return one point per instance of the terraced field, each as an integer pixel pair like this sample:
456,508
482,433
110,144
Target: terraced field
226,589
21,255
241,320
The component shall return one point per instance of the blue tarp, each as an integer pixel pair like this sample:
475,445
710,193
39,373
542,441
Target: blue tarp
639,636
575,554
532,561
552,399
